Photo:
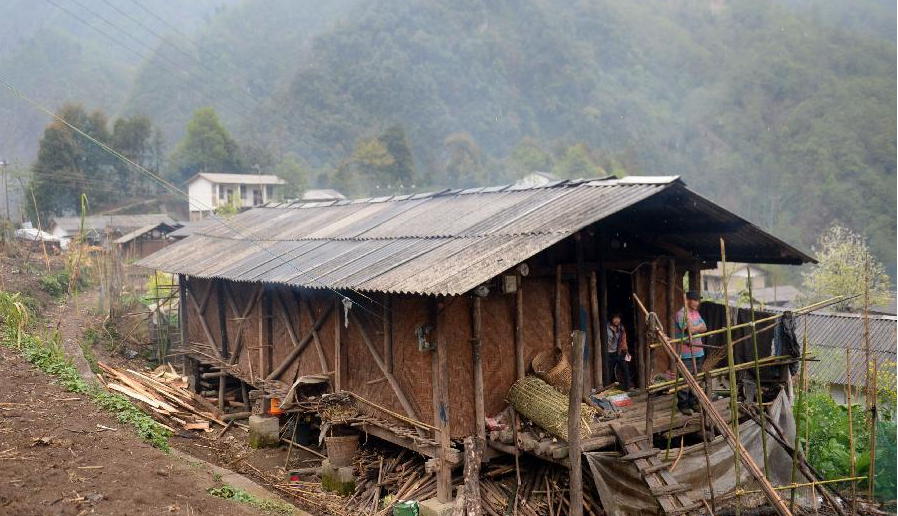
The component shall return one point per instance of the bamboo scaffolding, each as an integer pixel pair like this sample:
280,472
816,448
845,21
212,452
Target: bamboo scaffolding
848,389
799,311
801,401
731,363
760,394
720,371
721,424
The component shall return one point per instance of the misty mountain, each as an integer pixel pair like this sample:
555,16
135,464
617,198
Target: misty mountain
783,110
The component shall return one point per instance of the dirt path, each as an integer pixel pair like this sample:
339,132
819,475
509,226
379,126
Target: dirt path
60,455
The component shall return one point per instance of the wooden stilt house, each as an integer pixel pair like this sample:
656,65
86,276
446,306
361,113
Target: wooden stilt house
430,306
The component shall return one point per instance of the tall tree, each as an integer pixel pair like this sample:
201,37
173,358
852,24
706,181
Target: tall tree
134,138
207,147
844,267
463,164
68,164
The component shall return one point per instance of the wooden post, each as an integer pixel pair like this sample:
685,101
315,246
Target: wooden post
582,320
647,358
520,366
222,317
476,343
338,348
574,400
598,348
183,311
266,339
869,394
440,378
640,333
603,318
671,300
473,457
802,399
388,331
849,401
557,313
695,278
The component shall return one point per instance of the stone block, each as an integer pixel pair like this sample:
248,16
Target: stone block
264,431
337,480
433,507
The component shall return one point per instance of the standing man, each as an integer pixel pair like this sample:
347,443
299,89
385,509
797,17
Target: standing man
617,349
692,352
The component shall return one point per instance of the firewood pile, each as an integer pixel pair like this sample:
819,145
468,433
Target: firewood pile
383,477
543,490
164,392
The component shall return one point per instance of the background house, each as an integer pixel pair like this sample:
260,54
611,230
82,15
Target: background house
103,229
712,279
208,190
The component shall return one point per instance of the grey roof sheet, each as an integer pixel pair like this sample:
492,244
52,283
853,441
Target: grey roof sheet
829,334
439,243
120,223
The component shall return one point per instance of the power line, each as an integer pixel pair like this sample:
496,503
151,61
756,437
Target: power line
179,49
146,58
177,191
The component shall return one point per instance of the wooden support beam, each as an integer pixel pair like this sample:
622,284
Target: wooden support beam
574,404
556,320
582,320
695,278
473,456
338,347
440,377
241,319
394,384
520,366
646,359
222,318
603,318
721,424
183,310
671,300
388,331
319,348
598,349
285,317
476,344
637,280
266,334
201,316
295,352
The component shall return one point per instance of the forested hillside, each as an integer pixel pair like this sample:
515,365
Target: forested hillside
782,110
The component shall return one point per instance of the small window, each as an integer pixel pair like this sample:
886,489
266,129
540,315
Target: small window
221,193
243,192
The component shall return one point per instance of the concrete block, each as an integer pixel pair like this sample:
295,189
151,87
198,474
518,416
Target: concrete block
433,507
337,480
264,431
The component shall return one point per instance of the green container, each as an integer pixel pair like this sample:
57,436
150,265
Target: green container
405,508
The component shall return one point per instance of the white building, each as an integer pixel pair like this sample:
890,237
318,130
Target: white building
208,190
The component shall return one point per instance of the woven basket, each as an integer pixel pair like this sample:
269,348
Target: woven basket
553,368
541,403
341,449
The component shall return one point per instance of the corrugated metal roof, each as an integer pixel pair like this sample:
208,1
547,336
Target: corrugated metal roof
829,334
437,243
120,223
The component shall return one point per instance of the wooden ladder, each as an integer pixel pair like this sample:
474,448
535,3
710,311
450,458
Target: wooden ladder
670,494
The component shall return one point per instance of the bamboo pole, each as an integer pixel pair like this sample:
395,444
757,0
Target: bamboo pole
520,367
721,424
760,395
734,402
704,421
801,401
763,362
872,471
476,344
848,388
870,413
815,483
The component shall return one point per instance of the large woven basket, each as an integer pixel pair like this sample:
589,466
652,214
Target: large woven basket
553,368
546,407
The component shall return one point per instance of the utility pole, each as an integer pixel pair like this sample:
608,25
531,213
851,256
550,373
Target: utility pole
3,165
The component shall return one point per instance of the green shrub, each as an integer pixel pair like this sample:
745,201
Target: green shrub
828,442
239,495
57,283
